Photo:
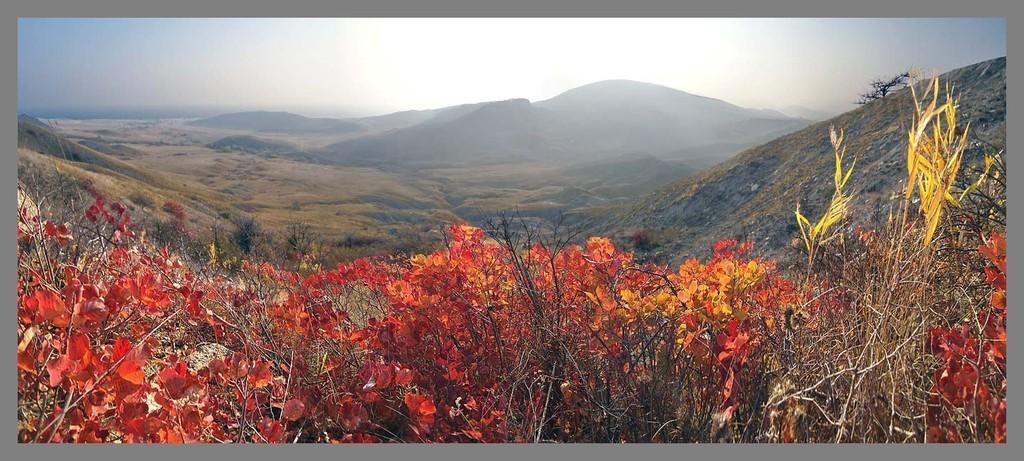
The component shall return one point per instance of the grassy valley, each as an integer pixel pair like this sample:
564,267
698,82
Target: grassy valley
389,182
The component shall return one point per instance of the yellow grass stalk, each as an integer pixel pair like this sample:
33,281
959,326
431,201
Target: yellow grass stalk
816,234
935,148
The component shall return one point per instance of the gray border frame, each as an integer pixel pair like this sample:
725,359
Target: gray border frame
1008,9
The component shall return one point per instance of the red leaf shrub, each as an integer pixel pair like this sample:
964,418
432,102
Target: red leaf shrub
972,374
481,341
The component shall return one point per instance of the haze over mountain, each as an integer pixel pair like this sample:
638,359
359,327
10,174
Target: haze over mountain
278,122
592,122
806,113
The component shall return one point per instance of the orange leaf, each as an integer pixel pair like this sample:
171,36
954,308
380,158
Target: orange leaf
50,307
131,371
260,375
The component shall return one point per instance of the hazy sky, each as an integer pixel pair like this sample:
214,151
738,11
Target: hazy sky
367,66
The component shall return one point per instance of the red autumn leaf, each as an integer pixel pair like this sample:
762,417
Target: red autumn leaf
26,361
193,304
293,409
260,375
138,430
271,430
89,313
421,409
58,232
995,250
50,307
995,277
384,373
238,365
169,435
357,438
131,371
403,376
217,368
57,368
147,290
175,380
79,349
727,388
122,346
732,346
91,432
474,434
130,368
92,213
128,410
193,420
350,413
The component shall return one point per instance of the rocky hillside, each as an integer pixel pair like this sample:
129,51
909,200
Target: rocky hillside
752,196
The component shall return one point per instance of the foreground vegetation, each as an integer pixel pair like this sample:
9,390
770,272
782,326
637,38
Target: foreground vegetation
895,334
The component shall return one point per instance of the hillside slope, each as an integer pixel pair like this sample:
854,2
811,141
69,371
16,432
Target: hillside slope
35,135
357,211
752,196
490,133
59,169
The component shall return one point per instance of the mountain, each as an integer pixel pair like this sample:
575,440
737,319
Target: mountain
407,118
805,113
589,123
752,196
278,122
622,116
495,132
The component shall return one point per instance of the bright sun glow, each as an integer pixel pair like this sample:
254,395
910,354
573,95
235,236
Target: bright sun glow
361,66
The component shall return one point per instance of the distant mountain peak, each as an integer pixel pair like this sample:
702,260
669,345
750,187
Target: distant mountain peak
622,94
277,121
622,88
515,102
623,83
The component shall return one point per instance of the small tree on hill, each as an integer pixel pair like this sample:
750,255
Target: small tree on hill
882,87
